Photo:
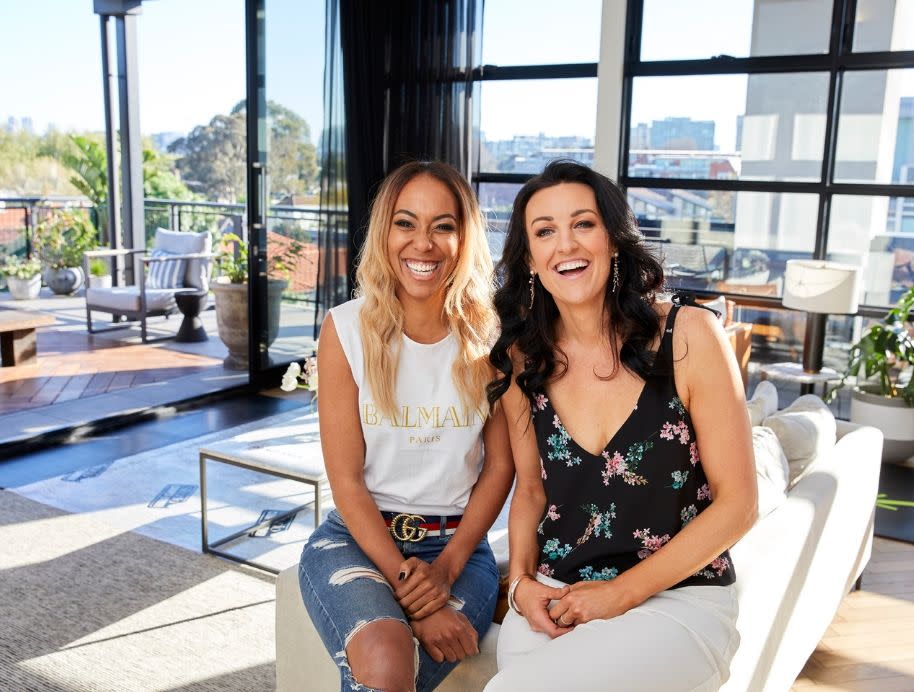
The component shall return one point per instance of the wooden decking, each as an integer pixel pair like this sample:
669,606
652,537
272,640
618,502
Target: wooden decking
869,646
75,365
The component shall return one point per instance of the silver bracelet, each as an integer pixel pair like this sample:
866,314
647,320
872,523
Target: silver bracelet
512,588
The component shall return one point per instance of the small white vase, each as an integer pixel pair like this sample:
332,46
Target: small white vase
100,281
24,289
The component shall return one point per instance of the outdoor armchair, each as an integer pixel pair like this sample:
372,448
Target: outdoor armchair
177,262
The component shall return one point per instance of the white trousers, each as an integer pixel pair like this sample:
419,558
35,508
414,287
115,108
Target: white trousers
680,639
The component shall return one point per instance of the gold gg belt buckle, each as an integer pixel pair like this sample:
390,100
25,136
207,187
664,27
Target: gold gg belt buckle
404,527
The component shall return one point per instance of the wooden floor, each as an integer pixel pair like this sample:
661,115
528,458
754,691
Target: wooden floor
73,365
870,644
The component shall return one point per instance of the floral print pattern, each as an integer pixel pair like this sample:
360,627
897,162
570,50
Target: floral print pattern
688,514
606,512
558,445
679,479
650,544
589,574
554,550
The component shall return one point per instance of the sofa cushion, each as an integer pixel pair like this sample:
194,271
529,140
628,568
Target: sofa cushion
196,272
771,470
168,274
127,299
805,429
764,402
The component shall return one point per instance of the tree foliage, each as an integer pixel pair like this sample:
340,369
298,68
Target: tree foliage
89,163
211,157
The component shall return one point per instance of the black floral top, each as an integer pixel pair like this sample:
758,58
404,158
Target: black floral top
606,513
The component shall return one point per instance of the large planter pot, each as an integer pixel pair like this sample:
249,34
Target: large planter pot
892,416
232,318
63,282
24,289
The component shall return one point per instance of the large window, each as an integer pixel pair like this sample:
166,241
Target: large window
537,92
764,136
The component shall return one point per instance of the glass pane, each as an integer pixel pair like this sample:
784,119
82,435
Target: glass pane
877,233
738,242
527,35
876,127
747,127
676,30
527,123
884,25
294,85
496,200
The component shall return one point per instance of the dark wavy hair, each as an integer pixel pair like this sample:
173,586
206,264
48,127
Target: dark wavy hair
632,318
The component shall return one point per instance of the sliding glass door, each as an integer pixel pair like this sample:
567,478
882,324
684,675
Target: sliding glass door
285,67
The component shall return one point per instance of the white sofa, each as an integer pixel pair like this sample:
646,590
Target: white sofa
793,569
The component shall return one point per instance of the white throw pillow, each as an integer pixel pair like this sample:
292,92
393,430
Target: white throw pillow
805,430
771,470
764,402
169,274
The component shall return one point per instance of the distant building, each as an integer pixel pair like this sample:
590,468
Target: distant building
640,136
682,133
903,167
161,140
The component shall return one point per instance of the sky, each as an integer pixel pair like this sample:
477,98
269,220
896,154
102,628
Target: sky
191,63
190,56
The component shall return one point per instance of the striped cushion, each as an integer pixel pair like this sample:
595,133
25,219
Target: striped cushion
164,274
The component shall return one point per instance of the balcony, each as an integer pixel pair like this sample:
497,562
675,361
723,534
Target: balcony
83,379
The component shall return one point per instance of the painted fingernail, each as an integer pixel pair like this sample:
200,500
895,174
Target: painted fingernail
402,576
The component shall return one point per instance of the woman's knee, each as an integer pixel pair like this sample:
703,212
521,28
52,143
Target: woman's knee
382,655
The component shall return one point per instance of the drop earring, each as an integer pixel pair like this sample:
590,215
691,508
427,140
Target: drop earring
616,273
531,284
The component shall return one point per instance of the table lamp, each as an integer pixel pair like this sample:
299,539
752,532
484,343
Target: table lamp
821,289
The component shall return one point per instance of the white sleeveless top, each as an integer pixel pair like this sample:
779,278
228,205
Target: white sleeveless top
426,458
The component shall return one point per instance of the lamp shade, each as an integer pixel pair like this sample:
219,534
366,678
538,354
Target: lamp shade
819,286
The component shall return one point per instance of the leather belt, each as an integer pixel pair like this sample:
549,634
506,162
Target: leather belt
412,528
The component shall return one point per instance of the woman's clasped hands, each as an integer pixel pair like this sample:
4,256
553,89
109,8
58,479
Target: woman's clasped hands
555,611
423,592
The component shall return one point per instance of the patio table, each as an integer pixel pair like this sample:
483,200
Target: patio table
18,343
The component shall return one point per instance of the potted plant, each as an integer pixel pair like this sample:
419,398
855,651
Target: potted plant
883,362
60,242
23,276
99,273
231,293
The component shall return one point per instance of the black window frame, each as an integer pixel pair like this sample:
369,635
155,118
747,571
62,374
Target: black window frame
839,60
492,73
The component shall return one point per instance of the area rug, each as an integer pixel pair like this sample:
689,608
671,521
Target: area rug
86,605
157,494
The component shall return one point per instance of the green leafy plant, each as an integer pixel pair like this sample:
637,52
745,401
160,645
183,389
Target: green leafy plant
20,268
99,267
885,354
62,238
232,259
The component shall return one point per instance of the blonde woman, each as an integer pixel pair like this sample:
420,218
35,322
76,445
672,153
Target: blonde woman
399,580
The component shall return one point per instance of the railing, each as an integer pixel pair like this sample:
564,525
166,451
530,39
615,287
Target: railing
285,223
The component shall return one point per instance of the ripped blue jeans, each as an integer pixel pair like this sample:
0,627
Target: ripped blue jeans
343,591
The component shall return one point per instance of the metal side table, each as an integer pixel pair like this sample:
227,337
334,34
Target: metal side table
291,451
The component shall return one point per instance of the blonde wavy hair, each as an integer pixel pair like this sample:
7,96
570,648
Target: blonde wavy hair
467,302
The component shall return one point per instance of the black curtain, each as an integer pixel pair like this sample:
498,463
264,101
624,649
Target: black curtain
407,72
333,267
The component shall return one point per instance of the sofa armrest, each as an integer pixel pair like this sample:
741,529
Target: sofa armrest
148,259
796,564
113,252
